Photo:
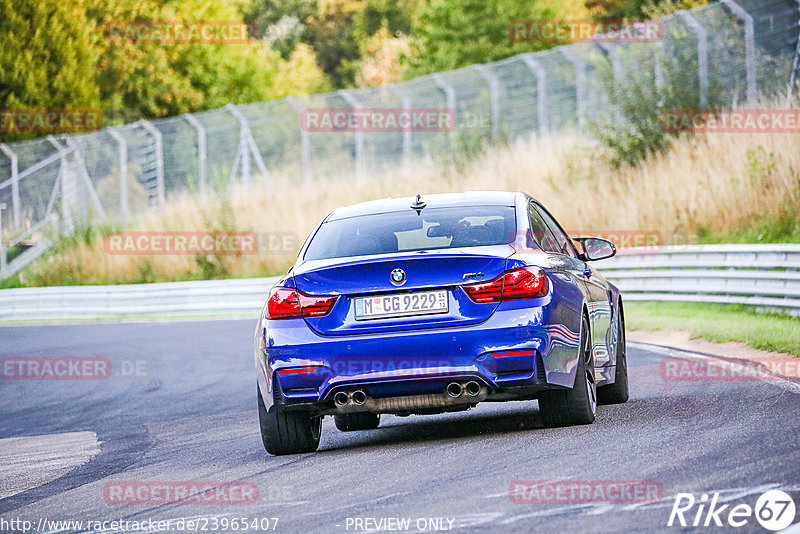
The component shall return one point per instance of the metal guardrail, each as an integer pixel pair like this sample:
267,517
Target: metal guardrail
765,276
235,298
725,51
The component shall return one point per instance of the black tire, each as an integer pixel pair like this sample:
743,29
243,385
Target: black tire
576,406
285,432
357,421
617,393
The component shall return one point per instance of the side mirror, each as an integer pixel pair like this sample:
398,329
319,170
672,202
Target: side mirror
596,248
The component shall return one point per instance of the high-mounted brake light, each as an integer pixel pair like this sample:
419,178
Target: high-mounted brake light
288,303
521,283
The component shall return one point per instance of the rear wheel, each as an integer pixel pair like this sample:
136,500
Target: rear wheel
576,406
357,421
285,432
617,393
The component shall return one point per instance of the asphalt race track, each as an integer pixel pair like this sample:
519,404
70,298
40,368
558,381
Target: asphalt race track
179,405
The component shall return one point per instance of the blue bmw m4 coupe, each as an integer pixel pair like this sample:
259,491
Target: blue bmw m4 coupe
433,304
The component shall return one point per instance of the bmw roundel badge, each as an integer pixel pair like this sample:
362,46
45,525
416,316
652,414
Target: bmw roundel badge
398,276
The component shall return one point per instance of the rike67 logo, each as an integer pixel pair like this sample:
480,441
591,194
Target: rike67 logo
774,510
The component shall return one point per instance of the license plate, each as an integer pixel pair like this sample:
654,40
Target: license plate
401,304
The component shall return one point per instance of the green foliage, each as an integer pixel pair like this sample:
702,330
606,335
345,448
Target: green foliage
220,221
48,56
455,33
61,55
719,323
638,9
637,131
334,29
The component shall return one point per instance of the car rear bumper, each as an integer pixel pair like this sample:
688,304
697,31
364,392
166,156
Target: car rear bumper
519,348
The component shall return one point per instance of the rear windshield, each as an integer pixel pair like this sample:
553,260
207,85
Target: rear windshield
400,231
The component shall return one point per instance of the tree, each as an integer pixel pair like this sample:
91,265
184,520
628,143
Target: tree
48,57
456,33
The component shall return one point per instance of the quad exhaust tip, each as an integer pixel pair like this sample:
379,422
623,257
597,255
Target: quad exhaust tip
454,389
359,397
341,399
472,388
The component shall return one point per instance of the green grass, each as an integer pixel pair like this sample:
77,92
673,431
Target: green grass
719,323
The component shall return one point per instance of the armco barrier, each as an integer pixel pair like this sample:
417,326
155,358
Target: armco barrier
764,276
238,297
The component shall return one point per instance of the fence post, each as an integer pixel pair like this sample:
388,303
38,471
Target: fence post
541,91
305,142
450,94
796,61
159,144
616,67
749,48
247,148
358,135
15,202
123,170
702,52
494,95
406,102
2,244
202,151
66,178
581,68
80,165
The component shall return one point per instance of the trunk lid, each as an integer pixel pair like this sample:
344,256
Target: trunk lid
370,276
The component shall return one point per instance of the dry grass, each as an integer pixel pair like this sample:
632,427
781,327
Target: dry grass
706,187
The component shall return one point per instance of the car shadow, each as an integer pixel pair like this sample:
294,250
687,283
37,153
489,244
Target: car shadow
397,430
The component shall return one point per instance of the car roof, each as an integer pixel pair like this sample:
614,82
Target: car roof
385,205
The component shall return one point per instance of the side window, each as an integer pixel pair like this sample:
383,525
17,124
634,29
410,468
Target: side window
562,240
541,233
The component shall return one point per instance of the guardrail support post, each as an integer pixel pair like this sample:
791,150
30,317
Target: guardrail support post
305,142
494,96
15,202
541,91
358,135
158,139
749,48
202,152
702,52
407,132
123,171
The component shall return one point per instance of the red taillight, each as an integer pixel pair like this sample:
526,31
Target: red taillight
522,283
297,371
288,303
